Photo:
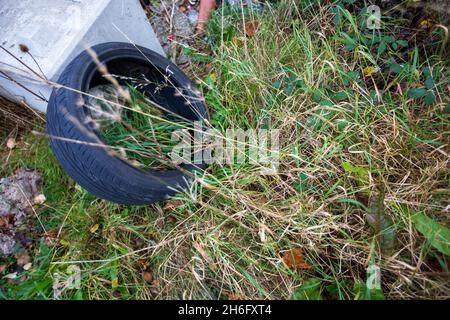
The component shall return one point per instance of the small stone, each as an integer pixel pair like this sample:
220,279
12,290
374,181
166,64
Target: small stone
7,245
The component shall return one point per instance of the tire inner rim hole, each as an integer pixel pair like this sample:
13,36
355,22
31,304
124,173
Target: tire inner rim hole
136,111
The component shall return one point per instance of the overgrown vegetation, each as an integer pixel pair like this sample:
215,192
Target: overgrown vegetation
363,182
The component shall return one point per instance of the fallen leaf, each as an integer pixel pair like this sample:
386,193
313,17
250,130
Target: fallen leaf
155,287
148,277
235,296
11,143
156,284
143,264
251,27
208,66
2,268
94,228
294,259
11,276
172,205
27,266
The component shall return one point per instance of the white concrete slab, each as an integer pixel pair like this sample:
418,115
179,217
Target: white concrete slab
54,32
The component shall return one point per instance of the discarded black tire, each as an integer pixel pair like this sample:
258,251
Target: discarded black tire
77,144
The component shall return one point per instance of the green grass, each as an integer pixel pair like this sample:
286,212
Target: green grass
137,130
360,156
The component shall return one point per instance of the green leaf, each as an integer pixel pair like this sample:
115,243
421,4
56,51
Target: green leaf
402,43
395,67
417,93
350,46
430,98
337,19
310,290
437,234
299,83
341,95
276,84
429,82
389,39
381,48
317,95
289,90
327,103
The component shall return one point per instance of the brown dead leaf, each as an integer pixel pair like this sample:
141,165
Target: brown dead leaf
294,259
172,205
235,296
143,264
156,284
208,66
251,27
148,277
155,288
